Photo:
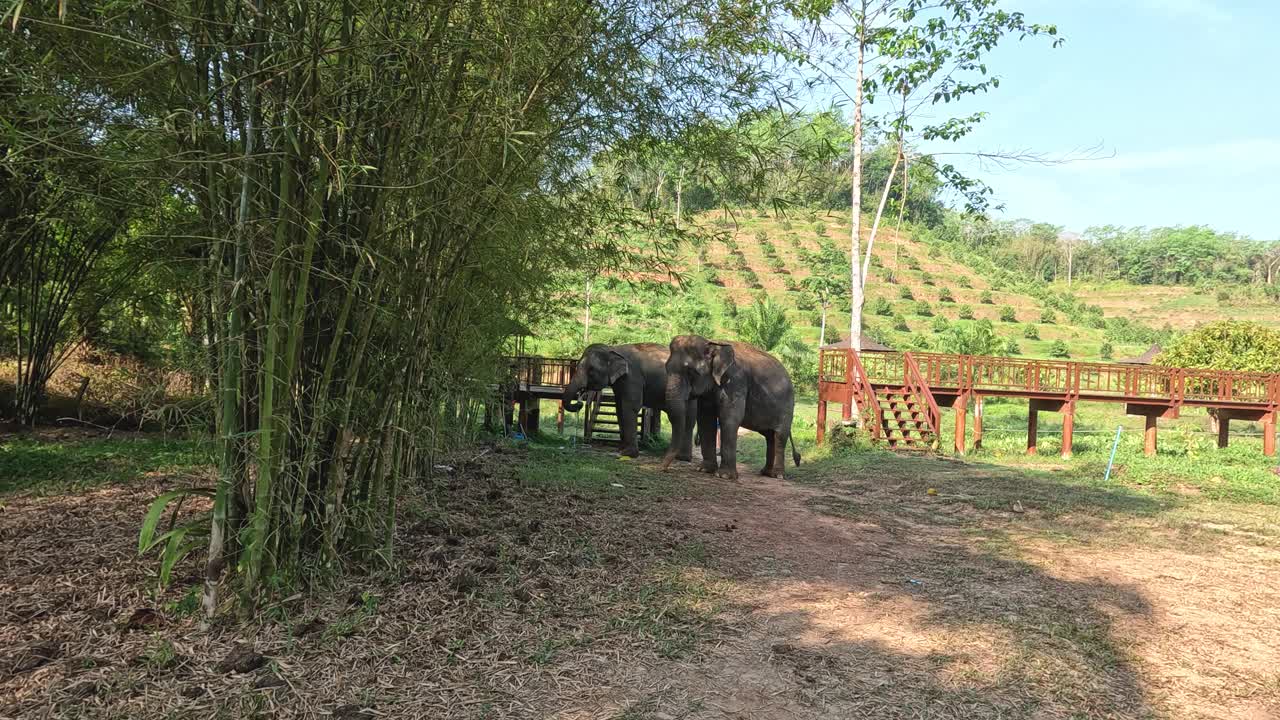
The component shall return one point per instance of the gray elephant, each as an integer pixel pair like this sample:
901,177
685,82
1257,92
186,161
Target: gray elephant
736,385
637,373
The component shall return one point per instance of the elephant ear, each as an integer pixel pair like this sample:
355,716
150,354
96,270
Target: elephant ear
618,366
722,359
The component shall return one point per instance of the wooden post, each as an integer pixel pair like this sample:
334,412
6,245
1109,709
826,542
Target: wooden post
1269,433
1032,421
1224,429
1068,426
560,416
1149,446
962,413
846,413
822,421
977,422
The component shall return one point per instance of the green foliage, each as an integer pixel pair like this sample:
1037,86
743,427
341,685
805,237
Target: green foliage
880,306
1031,332
905,293
922,308
764,325
985,298
1008,314
1226,345
1011,347
1106,352
1048,317
939,324
820,229
1058,349
972,338
966,312
926,279
900,323
1224,297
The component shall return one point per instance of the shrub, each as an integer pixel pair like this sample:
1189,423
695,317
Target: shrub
820,229
913,263
785,225
1106,351
972,338
1008,314
966,312
904,292
1048,317
1226,345
900,323
944,295
1031,332
880,306
986,299
940,324
762,236
923,309
926,278
1224,297
1059,350
964,282
935,252
1011,347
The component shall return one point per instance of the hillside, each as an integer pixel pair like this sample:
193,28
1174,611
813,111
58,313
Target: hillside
759,256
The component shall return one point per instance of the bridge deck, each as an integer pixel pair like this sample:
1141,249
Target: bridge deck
1052,385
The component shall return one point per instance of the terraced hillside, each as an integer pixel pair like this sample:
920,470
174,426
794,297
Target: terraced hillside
916,293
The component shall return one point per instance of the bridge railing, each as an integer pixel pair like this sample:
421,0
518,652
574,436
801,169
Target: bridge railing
961,373
542,371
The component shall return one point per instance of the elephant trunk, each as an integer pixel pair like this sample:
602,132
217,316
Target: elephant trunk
571,393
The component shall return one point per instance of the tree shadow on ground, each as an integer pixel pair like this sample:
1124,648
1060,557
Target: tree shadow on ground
870,597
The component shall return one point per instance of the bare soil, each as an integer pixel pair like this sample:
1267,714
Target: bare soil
819,597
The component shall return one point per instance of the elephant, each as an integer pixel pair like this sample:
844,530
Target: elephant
638,375
737,385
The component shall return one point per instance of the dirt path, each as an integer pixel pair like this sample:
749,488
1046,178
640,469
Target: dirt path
871,600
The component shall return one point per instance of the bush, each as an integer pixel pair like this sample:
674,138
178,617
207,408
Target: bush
972,338
913,263
1106,351
923,309
820,229
986,299
966,312
1048,317
964,282
1226,345
900,323
944,295
940,324
926,278
1059,350
1008,314
785,224
904,292
1224,297
934,251
880,306
1011,347
1031,332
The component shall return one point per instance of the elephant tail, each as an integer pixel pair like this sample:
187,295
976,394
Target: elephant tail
795,454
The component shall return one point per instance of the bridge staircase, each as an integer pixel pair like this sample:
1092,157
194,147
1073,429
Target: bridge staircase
903,419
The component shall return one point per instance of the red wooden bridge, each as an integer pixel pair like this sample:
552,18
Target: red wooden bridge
900,395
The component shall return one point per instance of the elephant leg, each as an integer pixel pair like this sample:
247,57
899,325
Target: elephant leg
728,449
627,428
683,441
707,436
771,453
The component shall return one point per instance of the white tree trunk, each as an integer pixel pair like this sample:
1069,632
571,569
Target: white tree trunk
875,226
586,321
822,332
856,296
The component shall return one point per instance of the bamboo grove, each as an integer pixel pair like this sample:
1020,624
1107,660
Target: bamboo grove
362,199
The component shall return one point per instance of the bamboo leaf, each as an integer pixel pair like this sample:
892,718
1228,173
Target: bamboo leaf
146,536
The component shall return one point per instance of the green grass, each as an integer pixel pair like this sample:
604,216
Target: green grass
48,466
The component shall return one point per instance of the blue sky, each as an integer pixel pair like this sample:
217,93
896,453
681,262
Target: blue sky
1185,93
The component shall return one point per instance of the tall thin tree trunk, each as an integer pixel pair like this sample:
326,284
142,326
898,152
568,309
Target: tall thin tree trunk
822,332
586,321
856,296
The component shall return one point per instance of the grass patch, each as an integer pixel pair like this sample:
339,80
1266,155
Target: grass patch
40,466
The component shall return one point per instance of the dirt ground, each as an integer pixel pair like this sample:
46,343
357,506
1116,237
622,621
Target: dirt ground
812,598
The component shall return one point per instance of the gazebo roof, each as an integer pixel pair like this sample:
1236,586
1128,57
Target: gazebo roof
1145,358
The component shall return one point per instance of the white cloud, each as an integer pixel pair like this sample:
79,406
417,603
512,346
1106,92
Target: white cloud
1235,156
